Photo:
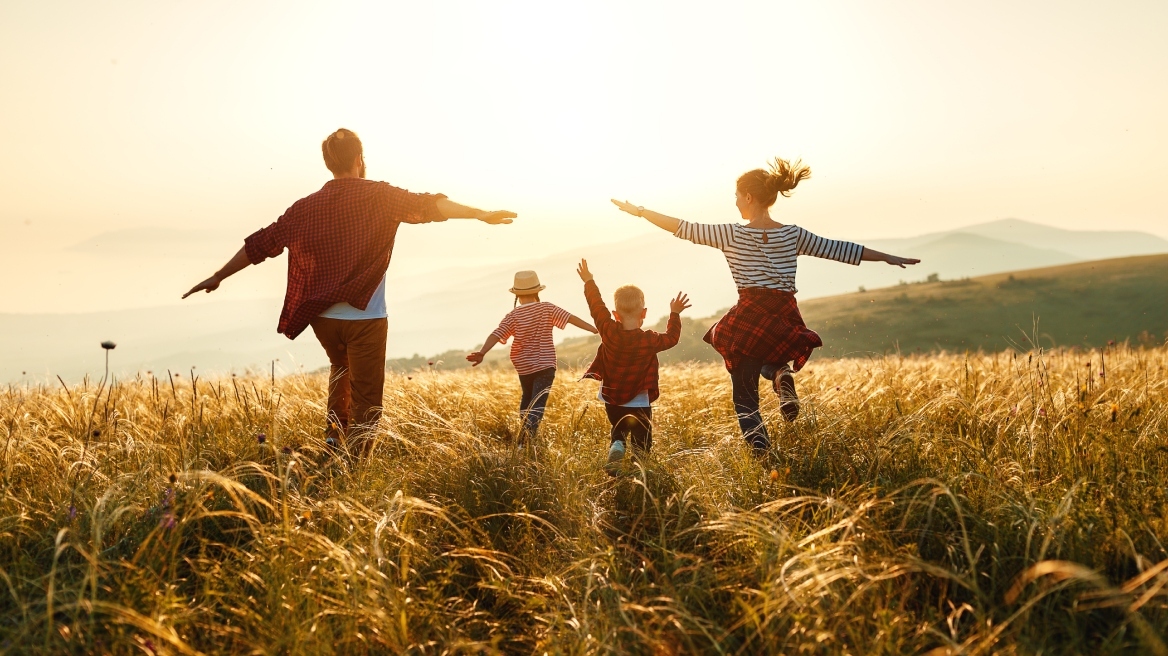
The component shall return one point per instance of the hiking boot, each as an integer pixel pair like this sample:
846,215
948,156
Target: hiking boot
616,453
784,385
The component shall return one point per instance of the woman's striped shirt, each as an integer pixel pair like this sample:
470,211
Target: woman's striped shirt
531,325
766,257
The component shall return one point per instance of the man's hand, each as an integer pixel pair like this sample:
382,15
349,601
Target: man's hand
583,272
626,206
496,217
680,303
896,260
209,285
475,358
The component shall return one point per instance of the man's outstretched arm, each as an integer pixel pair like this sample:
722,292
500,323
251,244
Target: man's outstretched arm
453,210
237,263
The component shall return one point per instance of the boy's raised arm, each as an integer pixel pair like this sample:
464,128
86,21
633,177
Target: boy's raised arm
596,306
672,333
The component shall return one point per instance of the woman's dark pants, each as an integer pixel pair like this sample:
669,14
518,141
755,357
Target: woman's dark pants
745,393
536,387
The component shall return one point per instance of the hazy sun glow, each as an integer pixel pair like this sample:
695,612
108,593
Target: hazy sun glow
914,116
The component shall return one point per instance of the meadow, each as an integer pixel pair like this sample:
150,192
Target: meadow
1009,503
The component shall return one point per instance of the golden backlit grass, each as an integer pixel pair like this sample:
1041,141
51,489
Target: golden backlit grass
946,504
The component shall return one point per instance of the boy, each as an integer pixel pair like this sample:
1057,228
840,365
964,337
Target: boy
626,362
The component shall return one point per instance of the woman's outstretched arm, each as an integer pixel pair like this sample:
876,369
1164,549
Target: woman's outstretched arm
656,218
870,255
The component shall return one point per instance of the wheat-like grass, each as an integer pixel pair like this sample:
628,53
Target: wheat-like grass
1003,503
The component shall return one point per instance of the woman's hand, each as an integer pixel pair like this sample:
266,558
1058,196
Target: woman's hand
896,260
680,303
871,255
626,206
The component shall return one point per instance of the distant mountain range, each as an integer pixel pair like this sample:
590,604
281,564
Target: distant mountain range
456,307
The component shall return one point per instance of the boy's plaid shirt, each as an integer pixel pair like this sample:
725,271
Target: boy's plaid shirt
626,362
339,242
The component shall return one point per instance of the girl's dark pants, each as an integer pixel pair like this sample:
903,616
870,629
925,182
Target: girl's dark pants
631,425
744,379
536,387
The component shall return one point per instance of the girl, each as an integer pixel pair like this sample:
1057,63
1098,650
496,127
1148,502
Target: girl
533,353
764,334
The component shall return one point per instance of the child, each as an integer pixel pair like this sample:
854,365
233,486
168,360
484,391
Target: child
764,334
533,353
626,363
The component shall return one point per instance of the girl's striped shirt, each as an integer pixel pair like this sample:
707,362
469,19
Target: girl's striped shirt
766,257
531,326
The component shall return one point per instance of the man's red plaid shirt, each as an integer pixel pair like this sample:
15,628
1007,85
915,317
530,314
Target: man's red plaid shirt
339,242
626,362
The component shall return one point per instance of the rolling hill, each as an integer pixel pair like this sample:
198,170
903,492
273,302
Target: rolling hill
438,298
1085,304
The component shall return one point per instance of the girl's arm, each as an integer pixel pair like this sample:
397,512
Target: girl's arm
870,255
476,358
656,218
582,324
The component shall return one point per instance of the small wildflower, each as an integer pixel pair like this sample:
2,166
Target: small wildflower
1111,342
1114,411
96,433
774,475
261,438
173,478
286,450
1042,412
167,522
72,512
431,363
409,377
108,345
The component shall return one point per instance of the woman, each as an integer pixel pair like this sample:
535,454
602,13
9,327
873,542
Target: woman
764,334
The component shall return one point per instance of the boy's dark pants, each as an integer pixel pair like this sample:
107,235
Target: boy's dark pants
745,393
631,425
356,353
536,388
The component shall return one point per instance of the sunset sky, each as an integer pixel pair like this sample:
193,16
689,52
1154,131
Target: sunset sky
914,116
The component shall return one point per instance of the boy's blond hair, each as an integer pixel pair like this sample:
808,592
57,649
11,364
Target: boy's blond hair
629,299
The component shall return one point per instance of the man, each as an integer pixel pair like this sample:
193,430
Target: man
339,243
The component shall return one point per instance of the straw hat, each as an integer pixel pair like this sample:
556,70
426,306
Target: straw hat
527,282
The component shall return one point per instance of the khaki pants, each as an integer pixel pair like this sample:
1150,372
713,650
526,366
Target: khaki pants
356,353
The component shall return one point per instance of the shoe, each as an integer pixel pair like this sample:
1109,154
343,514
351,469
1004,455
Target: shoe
616,453
784,385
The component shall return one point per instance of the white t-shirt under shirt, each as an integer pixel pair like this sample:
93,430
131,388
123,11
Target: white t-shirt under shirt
639,401
375,309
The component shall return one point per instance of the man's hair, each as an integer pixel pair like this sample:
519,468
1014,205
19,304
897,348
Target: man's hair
629,299
341,150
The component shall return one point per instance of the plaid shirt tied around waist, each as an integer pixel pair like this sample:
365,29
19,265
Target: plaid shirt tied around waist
764,324
339,243
626,362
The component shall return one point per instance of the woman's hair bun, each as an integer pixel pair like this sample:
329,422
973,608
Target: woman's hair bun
780,177
785,175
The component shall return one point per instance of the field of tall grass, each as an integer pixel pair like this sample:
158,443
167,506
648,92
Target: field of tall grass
949,504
